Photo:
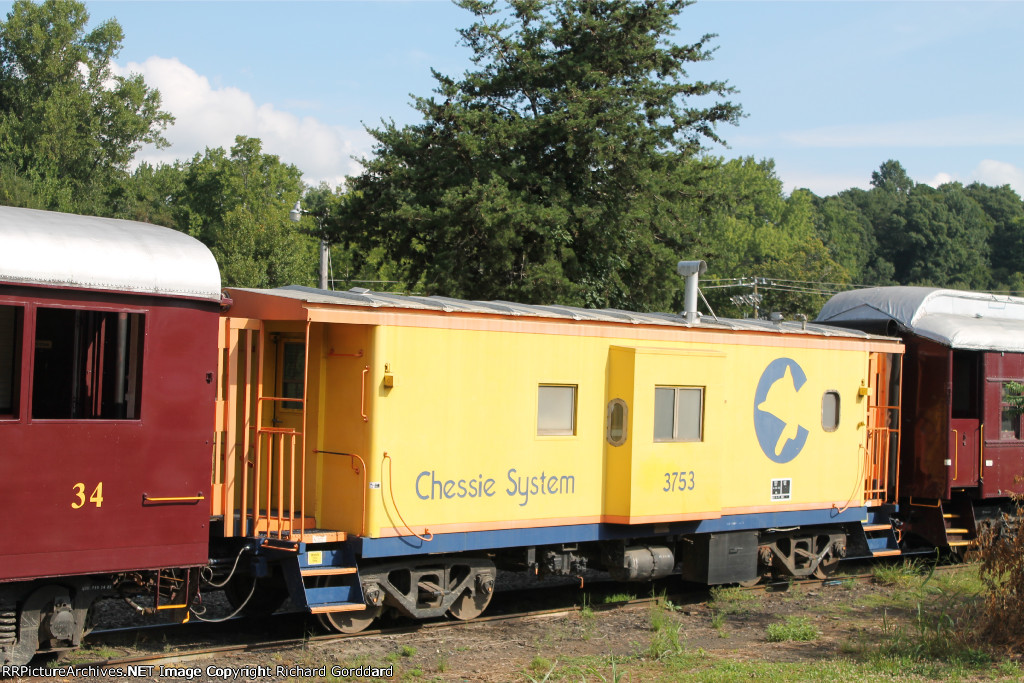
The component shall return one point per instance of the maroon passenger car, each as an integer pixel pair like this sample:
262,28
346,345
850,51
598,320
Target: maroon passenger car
962,450
108,367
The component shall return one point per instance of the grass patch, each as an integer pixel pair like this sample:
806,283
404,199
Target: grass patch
909,574
793,628
618,597
665,641
731,599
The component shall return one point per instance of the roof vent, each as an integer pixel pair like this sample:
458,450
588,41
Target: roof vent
691,270
360,290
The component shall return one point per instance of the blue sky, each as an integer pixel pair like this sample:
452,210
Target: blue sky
831,89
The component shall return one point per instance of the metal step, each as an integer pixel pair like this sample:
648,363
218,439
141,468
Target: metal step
326,571
877,527
886,553
951,530
337,607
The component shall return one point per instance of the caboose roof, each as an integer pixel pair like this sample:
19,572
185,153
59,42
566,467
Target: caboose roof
86,252
958,319
387,308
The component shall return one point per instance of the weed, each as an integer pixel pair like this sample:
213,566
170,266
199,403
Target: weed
586,610
665,641
618,597
407,651
905,575
542,664
730,599
442,663
793,628
717,620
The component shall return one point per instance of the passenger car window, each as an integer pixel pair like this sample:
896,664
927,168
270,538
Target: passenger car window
10,359
88,364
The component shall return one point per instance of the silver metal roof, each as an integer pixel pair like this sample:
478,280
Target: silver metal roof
958,319
65,250
365,298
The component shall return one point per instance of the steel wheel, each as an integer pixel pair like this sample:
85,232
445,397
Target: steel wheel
468,606
826,567
348,622
345,622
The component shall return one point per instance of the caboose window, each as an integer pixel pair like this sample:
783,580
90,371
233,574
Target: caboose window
556,410
88,364
616,423
678,413
10,359
1010,409
830,411
293,368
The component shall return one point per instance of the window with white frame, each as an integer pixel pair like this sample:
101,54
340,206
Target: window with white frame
556,410
679,414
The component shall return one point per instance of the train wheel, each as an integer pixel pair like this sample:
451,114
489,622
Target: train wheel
345,622
469,605
826,567
349,622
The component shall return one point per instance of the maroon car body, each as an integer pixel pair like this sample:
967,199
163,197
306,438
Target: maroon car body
108,365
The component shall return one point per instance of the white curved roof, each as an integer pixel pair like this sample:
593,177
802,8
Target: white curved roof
958,319
86,252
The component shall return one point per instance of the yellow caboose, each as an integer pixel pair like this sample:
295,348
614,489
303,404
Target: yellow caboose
392,450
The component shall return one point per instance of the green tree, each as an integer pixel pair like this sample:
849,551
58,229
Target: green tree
751,229
850,240
1004,206
238,204
68,125
556,169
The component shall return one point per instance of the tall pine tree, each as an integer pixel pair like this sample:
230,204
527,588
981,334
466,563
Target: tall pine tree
557,168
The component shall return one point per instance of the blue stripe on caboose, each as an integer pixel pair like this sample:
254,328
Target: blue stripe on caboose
581,533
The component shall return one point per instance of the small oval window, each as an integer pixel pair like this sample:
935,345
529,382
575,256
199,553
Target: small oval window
830,411
616,423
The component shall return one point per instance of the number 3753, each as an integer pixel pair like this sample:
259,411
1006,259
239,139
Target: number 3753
679,481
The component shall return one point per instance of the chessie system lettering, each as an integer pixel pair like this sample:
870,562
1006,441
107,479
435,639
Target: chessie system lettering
429,486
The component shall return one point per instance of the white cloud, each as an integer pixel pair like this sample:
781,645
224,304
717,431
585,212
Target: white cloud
988,172
821,184
950,131
992,172
208,116
940,179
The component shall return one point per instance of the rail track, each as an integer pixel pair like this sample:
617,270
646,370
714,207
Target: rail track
194,643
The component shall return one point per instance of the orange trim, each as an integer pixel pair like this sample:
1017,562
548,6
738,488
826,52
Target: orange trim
269,306
455,321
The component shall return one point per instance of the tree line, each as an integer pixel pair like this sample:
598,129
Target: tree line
572,164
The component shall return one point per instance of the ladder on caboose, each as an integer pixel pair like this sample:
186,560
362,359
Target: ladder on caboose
881,464
259,470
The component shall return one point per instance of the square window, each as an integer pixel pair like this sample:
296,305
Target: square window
87,364
678,413
556,410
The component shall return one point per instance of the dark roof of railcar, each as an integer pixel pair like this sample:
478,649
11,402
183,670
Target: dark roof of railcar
359,297
959,319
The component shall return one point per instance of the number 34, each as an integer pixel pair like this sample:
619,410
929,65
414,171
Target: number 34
96,497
